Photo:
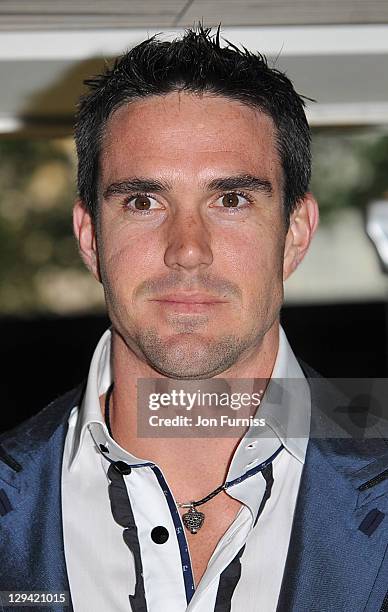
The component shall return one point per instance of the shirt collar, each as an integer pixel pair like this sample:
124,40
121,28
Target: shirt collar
286,407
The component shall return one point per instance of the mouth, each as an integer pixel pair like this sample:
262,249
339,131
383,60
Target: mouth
188,302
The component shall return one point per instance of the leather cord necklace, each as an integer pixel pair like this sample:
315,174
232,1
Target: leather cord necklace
107,407
193,519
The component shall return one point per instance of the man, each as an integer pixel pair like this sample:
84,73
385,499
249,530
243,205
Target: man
194,207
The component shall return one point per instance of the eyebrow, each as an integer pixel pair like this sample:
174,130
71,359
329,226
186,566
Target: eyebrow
135,184
240,181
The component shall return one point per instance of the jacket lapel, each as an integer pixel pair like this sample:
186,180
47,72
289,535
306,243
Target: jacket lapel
338,553
30,502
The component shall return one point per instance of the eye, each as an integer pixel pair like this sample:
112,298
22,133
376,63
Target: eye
233,200
141,203
230,200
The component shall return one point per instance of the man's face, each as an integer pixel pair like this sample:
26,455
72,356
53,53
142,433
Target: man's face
191,231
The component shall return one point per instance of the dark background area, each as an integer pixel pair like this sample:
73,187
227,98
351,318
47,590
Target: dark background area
44,357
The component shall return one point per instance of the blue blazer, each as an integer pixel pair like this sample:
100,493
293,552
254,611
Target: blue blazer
338,553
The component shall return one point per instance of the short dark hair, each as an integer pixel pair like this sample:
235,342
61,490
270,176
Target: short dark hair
195,63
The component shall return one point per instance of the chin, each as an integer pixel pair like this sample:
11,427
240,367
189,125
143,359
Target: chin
182,356
188,356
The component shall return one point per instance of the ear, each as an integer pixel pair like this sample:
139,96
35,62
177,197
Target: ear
303,223
85,233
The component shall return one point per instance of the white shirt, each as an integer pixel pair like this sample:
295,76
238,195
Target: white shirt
101,567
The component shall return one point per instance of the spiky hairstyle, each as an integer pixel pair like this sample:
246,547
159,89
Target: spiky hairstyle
195,63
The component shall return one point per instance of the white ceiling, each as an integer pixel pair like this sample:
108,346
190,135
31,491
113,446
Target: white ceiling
48,47
42,14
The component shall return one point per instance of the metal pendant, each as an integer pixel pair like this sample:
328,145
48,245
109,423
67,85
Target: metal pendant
193,520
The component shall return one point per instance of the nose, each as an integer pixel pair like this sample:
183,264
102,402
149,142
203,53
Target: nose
188,243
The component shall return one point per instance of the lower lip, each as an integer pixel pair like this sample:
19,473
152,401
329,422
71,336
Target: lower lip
188,307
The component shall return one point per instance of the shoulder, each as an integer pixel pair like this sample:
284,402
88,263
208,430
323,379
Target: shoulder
349,426
36,431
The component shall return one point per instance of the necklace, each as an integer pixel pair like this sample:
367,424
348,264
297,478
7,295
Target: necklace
107,405
193,519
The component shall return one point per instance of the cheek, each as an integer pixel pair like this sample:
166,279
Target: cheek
256,262
127,261
254,256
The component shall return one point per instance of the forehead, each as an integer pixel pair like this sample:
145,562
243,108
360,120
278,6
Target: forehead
183,133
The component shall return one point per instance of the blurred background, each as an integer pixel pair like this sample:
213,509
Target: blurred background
51,310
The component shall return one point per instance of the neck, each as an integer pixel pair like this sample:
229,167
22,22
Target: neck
181,455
